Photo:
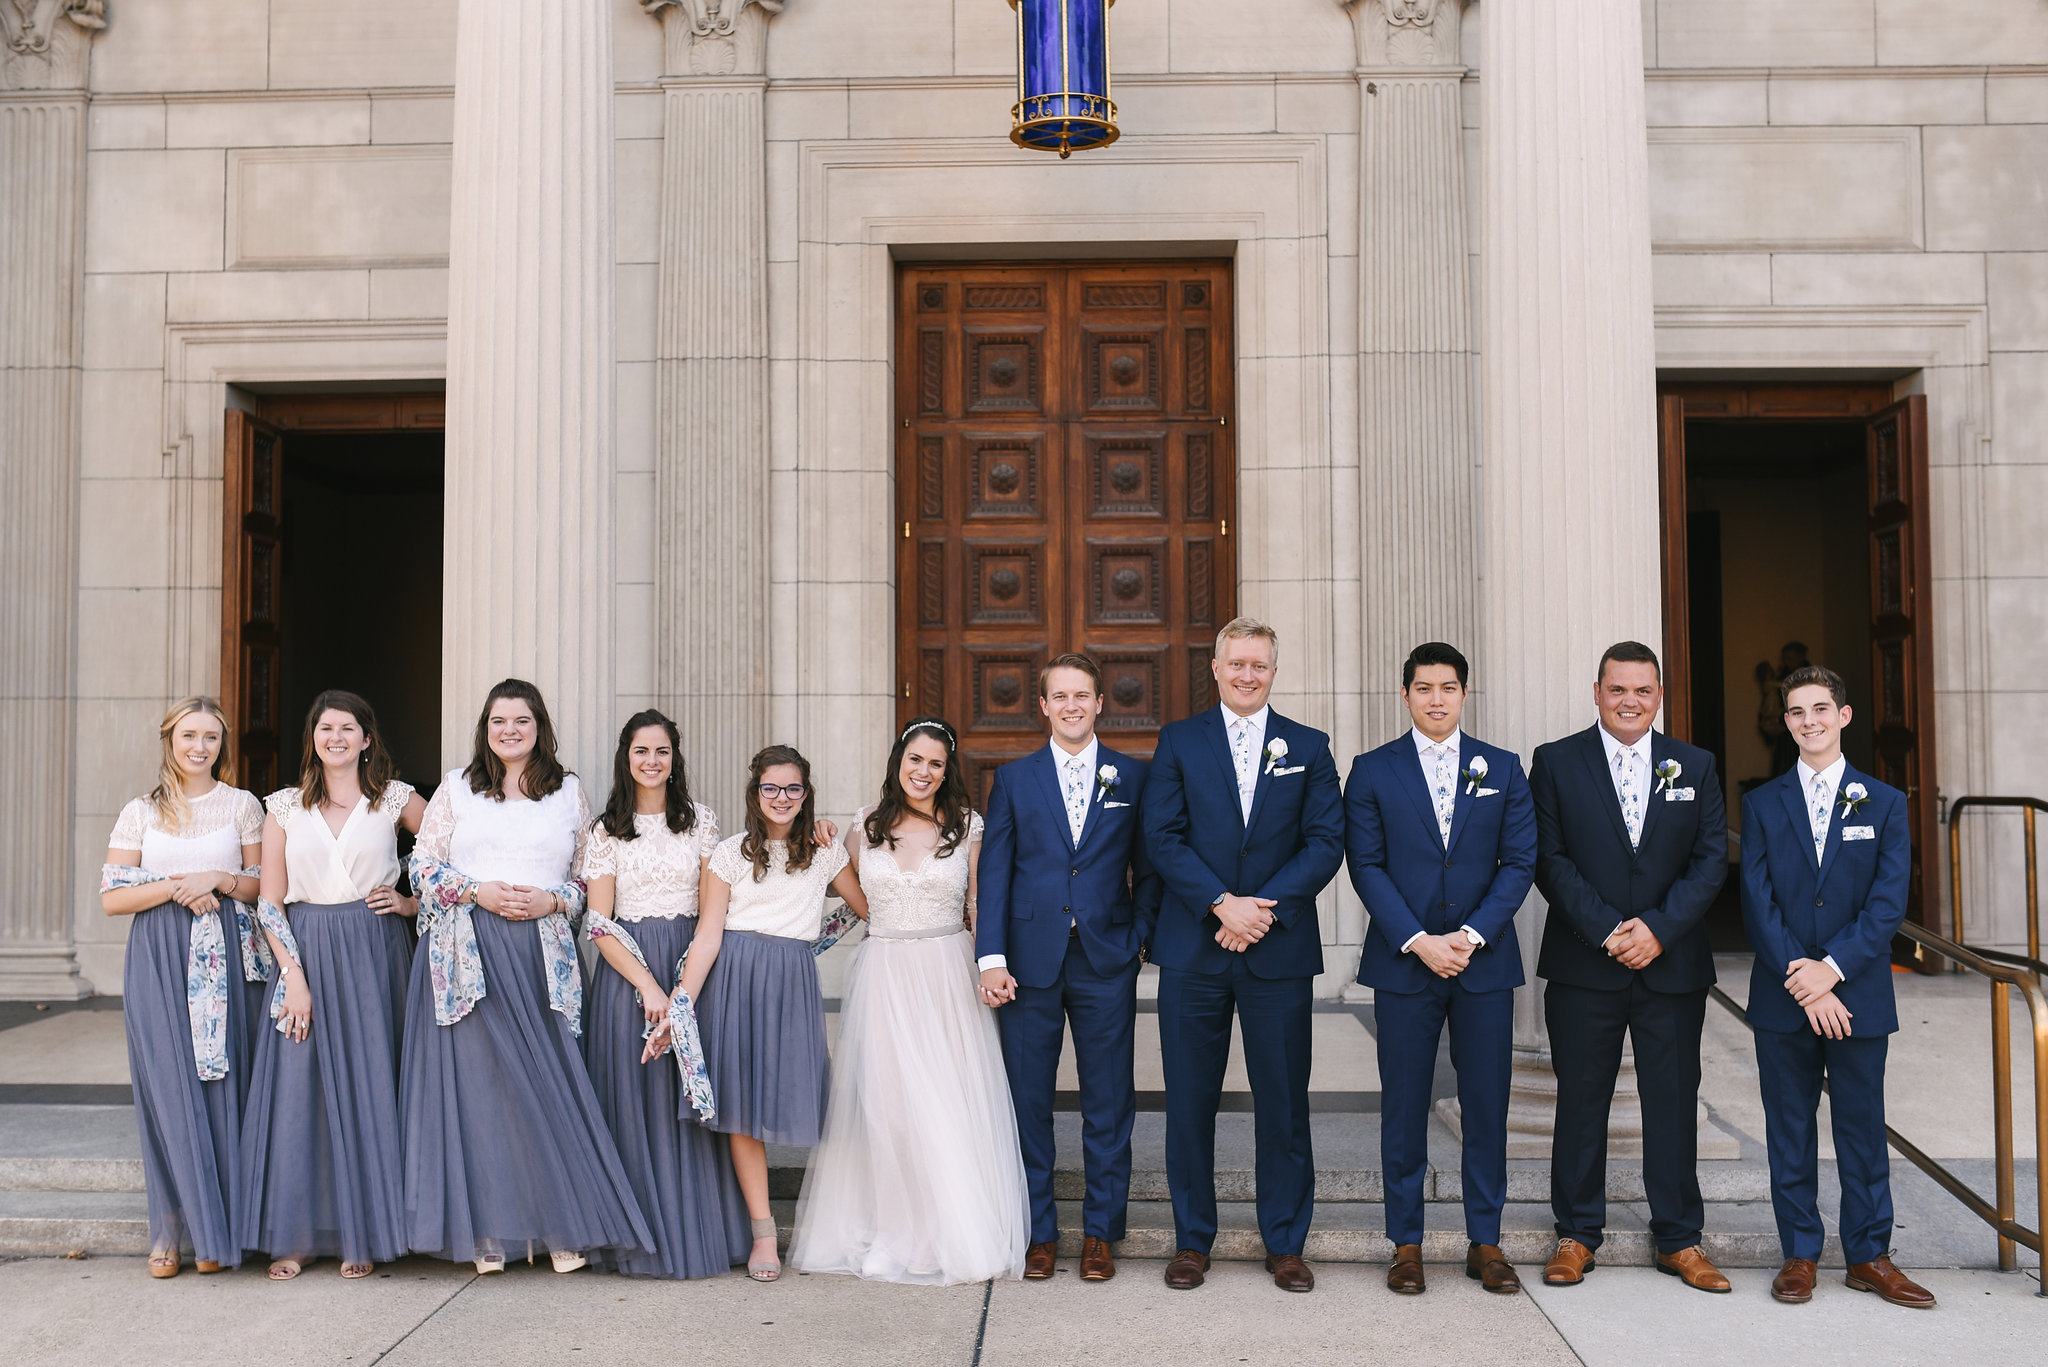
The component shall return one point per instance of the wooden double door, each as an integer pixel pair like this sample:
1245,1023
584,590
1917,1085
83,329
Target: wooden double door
1065,475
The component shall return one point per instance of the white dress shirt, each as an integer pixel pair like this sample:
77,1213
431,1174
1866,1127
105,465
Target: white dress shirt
1061,761
1639,756
1423,745
1246,735
1817,785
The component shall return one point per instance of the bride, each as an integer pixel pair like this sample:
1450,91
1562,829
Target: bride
916,1177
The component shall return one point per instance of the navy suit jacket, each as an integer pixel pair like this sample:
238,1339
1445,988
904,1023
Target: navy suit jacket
1850,905
1594,881
1202,845
1032,877
1410,882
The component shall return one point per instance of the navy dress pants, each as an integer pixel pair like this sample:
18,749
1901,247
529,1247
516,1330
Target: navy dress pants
1482,1049
1789,1068
1195,1012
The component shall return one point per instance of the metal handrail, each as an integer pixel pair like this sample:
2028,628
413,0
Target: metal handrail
2028,806
2001,1214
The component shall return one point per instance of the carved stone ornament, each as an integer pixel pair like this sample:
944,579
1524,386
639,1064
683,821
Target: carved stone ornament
1406,33
46,42
714,37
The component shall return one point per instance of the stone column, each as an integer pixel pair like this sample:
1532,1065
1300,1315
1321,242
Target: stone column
1418,428
1570,546
711,467
43,52
531,348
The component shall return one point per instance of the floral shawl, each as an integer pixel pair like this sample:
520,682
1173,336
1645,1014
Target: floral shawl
685,1043
206,968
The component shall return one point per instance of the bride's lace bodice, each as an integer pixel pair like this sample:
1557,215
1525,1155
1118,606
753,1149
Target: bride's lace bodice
931,896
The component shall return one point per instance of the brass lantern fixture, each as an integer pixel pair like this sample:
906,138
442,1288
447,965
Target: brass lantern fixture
1063,76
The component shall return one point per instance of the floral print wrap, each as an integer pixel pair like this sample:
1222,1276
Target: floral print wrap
836,925
206,976
271,916
455,965
684,1041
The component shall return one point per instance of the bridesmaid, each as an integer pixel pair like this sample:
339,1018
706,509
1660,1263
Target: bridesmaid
505,1144
321,1175
177,861
753,976
643,862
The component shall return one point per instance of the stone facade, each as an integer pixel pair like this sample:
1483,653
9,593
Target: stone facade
262,192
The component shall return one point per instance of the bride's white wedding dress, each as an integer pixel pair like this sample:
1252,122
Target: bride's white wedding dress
917,1177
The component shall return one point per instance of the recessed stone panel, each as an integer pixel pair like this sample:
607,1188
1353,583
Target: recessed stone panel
338,206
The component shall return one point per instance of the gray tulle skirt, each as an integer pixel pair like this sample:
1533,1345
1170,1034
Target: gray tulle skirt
763,1024
191,1130
322,1171
680,1171
505,1146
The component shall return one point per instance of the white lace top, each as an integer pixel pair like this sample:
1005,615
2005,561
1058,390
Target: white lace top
535,844
222,822
931,897
655,873
328,869
788,904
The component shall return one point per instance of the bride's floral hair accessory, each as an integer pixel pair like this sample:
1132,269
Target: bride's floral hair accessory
934,725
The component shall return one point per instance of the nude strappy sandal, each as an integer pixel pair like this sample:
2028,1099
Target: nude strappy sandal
764,1228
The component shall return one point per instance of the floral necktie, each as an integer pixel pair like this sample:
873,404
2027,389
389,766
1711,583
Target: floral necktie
1445,790
1819,800
1074,779
1247,764
1631,795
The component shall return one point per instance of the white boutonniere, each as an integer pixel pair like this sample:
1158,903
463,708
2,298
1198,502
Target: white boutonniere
1853,798
1667,774
1276,753
1474,775
1105,782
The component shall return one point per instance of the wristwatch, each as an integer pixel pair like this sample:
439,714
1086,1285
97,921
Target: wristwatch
1472,938
1219,899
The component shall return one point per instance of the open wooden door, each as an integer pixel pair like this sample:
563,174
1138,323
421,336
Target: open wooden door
252,570
1902,645
1677,586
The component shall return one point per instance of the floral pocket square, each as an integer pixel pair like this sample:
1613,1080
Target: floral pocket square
1110,805
1678,795
1283,773
1859,832
1487,792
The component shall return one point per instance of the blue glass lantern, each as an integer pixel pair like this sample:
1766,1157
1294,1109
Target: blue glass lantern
1063,76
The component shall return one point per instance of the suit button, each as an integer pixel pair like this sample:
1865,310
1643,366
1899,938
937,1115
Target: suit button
1073,873
1067,911
1447,863
1818,902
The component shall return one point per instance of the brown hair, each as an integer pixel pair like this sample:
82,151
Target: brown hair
1807,676
803,832
173,809
623,804
377,768
1629,653
486,772
1071,660
949,804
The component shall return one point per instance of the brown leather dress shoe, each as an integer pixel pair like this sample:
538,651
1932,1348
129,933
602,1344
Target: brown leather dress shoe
1405,1276
1098,1264
1038,1260
1794,1283
1184,1273
1690,1266
1290,1273
1485,1264
1569,1265
1892,1286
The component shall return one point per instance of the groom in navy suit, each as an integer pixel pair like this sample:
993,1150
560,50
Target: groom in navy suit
1066,902
1245,822
1440,832
1826,860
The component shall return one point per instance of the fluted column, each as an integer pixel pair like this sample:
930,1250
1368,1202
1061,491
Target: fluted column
1418,425
43,50
1568,481
529,573
711,469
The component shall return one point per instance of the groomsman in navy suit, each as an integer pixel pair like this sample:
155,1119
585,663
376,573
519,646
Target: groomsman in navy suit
1245,822
1441,837
1066,902
1631,848
1826,859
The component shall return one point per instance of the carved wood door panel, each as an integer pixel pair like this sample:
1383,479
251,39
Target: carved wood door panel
252,575
1065,475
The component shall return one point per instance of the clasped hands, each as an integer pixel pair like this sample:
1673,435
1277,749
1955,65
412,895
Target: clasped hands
654,1004
1812,984
1633,944
516,901
1245,921
200,893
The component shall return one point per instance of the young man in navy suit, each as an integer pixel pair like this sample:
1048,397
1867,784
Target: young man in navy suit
1826,859
1245,823
1441,838
1066,902
1631,849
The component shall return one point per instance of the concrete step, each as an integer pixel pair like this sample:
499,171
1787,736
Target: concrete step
54,1224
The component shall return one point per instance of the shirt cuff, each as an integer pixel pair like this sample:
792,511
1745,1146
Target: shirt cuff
1475,935
1829,960
1617,927
988,961
1412,939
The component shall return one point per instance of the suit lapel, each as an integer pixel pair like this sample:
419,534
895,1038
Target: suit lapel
1836,820
1275,726
1653,801
1794,794
1219,744
1096,797
1594,753
1464,792
1408,770
1048,771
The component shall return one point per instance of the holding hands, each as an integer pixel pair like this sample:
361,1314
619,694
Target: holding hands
997,987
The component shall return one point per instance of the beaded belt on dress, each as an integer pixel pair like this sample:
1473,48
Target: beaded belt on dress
915,933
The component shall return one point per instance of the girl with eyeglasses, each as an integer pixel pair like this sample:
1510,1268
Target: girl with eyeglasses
755,981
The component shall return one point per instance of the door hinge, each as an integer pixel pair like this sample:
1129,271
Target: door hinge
906,690
1226,528
906,531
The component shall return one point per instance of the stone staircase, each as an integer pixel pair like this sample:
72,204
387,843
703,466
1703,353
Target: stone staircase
70,1182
